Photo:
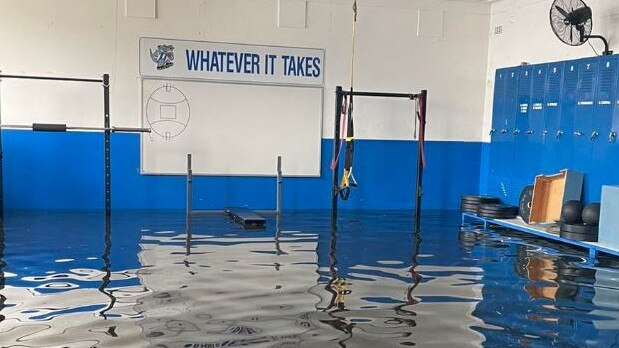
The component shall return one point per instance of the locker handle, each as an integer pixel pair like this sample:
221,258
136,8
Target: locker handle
503,131
612,137
529,132
594,135
559,134
517,131
578,134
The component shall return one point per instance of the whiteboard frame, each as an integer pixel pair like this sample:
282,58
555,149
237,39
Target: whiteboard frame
320,128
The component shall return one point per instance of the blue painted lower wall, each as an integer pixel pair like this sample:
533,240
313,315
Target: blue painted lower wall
65,171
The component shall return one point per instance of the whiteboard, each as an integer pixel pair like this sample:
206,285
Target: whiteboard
230,129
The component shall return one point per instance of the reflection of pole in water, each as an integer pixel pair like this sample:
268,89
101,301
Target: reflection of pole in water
188,238
416,277
107,267
2,265
337,287
278,233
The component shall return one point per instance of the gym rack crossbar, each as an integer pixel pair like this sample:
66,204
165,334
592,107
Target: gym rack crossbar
107,130
422,97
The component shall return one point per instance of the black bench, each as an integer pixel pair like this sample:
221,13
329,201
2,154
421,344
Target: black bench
246,218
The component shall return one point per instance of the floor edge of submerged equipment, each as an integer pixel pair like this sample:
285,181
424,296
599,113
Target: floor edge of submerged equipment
593,248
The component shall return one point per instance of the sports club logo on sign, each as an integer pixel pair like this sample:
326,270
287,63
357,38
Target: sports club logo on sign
163,56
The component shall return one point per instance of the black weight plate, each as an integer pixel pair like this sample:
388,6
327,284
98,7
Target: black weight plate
469,206
524,206
464,201
579,236
469,209
497,216
579,228
480,199
476,203
497,208
493,212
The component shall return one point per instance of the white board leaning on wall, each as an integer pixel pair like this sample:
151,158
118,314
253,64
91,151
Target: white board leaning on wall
235,108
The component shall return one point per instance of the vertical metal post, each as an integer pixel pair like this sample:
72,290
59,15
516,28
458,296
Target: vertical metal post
423,97
278,203
106,142
336,149
189,191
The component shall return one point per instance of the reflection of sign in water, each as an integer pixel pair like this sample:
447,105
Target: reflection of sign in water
167,112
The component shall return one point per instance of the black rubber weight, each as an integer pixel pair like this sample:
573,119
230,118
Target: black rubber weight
579,236
524,207
496,215
469,206
480,199
579,228
498,208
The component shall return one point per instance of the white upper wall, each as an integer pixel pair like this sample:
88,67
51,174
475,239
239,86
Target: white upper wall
91,37
528,37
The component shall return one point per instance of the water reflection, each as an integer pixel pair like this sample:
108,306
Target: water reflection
2,266
107,242
159,281
558,296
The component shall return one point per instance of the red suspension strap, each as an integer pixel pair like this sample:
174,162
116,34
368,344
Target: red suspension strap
421,117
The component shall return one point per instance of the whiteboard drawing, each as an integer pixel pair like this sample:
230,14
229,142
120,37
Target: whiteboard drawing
168,111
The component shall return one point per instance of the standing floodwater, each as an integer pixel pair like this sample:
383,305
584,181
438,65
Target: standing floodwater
67,281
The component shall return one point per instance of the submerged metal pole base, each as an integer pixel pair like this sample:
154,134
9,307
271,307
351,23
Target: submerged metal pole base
278,203
189,193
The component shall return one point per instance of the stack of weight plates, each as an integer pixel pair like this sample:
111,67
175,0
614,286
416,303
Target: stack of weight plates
580,232
497,211
470,204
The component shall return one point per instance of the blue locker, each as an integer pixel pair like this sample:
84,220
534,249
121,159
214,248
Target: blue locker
498,122
603,166
613,152
555,156
502,146
583,119
569,100
498,118
528,123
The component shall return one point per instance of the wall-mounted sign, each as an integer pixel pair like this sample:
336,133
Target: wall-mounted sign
214,61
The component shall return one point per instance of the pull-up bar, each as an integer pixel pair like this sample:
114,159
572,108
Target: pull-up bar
107,130
61,127
381,95
422,99
49,78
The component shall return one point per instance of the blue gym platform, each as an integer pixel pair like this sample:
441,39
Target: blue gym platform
519,225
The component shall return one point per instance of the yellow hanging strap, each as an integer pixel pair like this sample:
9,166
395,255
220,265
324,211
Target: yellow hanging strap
347,178
354,33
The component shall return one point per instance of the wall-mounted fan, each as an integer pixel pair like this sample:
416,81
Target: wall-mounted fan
572,22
